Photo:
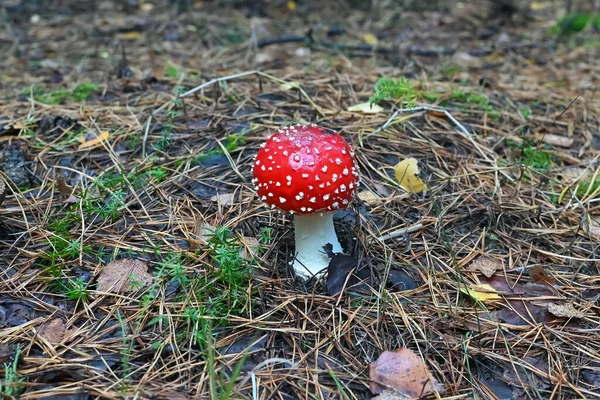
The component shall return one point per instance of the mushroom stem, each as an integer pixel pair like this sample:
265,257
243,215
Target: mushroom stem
312,232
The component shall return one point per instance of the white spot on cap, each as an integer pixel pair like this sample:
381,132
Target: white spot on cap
326,197
338,161
263,198
270,194
305,176
296,158
285,153
282,200
343,151
257,162
316,150
289,178
279,184
345,171
334,177
324,169
263,168
313,200
344,201
303,209
300,196
336,205
342,188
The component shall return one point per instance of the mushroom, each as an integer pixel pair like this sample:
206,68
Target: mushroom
308,171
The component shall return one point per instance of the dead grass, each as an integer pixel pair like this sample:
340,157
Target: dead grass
166,174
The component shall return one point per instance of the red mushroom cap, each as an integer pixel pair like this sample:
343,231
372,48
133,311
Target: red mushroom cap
306,169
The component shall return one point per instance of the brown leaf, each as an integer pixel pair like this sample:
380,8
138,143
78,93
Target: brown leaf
54,331
250,247
557,140
487,265
369,197
404,371
538,275
565,310
124,275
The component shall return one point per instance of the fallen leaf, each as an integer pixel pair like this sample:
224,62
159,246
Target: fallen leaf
407,173
289,85
400,280
369,197
225,199
338,269
90,140
557,140
483,292
486,265
130,35
366,108
250,245
565,310
291,5
54,331
125,275
371,39
538,275
591,226
402,370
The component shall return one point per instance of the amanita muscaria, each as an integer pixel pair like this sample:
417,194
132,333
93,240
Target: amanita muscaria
308,171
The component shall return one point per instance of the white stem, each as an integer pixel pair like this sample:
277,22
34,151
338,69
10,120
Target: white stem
312,232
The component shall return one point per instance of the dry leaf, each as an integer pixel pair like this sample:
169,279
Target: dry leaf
249,248
369,197
483,292
54,331
557,140
90,140
404,371
130,35
565,310
407,173
225,199
371,39
487,265
591,226
124,275
538,275
289,85
366,108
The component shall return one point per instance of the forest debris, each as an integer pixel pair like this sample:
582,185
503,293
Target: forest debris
224,199
369,38
539,275
486,265
404,371
55,331
483,292
92,140
591,225
565,310
366,108
557,140
369,197
2,190
125,275
407,173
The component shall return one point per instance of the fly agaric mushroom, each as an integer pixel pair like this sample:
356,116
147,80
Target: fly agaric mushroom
308,171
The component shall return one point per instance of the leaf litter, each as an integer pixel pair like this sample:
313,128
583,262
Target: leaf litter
122,276
492,186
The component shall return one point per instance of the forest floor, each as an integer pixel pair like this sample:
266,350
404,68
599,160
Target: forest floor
137,262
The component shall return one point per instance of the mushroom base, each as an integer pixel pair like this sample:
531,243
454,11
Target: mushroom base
312,232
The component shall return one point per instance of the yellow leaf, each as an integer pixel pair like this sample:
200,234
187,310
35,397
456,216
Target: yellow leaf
563,194
371,39
130,35
289,85
407,173
291,5
87,142
198,4
483,292
368,197
366,108
539,5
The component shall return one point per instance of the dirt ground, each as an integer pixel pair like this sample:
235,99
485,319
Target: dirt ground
137,262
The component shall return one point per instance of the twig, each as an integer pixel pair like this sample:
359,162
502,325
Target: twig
402,232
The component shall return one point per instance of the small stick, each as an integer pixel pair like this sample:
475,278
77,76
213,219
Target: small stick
402,232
